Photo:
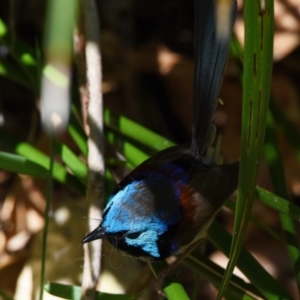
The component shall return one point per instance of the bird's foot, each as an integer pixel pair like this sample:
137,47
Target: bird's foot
160,280
163,274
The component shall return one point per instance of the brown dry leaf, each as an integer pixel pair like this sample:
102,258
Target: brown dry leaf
21,216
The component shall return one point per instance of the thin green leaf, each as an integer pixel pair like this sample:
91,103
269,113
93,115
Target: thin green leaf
133,154
237,289
33,154
20,164
59,172
110,183
236,49
274,161
11,70
76,165
252,269
48,195
73,292
135,131
258,58
231,205
21,59
3,29
77,133
278,203
174,290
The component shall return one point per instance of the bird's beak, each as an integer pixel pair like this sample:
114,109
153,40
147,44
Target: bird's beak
96,234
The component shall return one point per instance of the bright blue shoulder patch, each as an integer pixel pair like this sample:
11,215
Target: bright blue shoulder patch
147,207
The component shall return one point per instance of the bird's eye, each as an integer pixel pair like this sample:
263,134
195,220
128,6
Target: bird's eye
133,235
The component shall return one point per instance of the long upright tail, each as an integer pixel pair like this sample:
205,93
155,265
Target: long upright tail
213,28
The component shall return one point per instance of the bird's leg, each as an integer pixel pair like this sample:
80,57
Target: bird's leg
162,275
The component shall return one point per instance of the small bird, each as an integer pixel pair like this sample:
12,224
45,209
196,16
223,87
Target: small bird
169,201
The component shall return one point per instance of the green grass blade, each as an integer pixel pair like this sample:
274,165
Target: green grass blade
231,205
20,164
133,154
274,161
73,292
236,50
135,131
48,197
20,64
258,58
278,203
257,275
11,70
174,290
79,140
76,165
33,154
77,133
237,289
59,172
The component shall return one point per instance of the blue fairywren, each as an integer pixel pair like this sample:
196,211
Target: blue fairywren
169,201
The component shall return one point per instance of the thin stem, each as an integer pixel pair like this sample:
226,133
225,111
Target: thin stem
47,214
95,183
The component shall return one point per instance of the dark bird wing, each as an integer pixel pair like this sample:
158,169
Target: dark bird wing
216,183
213,185
212,37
